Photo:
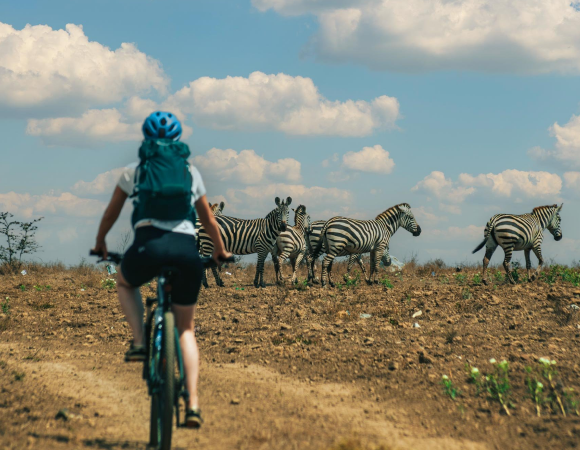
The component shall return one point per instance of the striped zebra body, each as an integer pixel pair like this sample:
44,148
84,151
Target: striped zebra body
217,210
344,237
520,232
244,237
292,244
313,238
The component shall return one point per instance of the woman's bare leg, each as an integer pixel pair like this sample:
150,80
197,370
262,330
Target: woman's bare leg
184,319
132,306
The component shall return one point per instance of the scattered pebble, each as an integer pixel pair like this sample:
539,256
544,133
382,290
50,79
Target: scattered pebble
417,314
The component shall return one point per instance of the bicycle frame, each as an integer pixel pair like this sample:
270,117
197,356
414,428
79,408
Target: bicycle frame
154,328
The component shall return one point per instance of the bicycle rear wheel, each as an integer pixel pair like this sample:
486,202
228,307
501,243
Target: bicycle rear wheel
162,400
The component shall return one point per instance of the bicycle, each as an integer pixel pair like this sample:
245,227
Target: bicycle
164,358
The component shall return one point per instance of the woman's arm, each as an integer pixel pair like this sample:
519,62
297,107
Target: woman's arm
110,216
211,227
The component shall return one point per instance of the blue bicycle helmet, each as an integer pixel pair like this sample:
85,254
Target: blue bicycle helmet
162,125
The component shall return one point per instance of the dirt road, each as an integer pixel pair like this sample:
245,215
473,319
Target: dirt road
290,368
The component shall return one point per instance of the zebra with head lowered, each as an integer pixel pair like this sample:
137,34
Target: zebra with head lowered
342,236
520,232
244,237
292,244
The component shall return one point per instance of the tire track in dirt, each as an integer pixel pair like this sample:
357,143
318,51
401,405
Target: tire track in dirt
245,407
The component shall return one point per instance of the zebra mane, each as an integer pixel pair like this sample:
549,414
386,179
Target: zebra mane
540,208
300,209
404,205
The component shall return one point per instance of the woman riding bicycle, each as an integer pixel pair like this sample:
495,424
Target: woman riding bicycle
165,187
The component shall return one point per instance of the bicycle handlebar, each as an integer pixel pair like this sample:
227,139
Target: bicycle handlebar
116,258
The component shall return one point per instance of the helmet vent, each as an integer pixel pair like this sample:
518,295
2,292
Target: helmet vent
163,121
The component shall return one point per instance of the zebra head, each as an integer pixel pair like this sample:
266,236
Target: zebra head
282,212
554,224
407,220
217,208
302,218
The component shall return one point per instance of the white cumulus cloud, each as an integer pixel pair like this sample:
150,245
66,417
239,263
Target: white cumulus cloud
246,167
43,70
66,204
517,182
370,159
514,36
281,102
104,183
445,190
566,152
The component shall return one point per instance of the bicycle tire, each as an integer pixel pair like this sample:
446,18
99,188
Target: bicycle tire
167,373
154,432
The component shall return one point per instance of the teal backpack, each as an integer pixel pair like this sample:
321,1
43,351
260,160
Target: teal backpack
163,182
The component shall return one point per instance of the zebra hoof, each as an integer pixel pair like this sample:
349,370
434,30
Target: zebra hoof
369,282
205,285
221,284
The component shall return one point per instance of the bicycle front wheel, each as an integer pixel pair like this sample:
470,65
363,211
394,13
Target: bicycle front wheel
162,401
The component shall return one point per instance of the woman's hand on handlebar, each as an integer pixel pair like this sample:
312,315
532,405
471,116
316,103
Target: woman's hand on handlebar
101,248
220,256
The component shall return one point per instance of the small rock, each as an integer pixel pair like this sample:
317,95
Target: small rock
239,341
495,300
393,365
369,341
63,414
417,314
342,314
284,326
416,325
316,327
424,359
235,401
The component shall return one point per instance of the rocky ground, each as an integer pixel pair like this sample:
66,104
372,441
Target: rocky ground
296,367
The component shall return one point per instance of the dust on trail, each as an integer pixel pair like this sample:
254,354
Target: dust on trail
273,411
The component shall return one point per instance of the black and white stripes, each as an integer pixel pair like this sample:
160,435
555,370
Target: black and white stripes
244,237
520,232
342,236
292,243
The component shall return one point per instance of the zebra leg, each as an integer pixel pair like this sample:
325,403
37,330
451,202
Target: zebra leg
311,276
375,260
488,254
295,264
326,269
280,261
506,264
218,281
351,261
362,268
204,278
528,262
276,262
538,252
259,279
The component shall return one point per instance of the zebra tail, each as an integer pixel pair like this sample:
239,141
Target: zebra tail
316,252
480,246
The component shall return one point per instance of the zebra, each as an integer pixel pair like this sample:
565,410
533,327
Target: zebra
217,210
520,232
342,236
292,244
244,237
312,242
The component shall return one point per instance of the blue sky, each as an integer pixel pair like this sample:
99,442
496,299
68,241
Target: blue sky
494,97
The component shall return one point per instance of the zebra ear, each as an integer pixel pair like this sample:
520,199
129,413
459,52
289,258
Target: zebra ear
277,200
222,206
210,205
293,209
560,208
288,201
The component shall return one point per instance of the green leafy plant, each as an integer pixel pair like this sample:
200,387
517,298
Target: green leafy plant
443,280
535,390
6,306
22,287
460,278
108,283
497,384
448,388
466,294
498,276
477,279
549,372
387,283
38,288
351,282
571,400
475,377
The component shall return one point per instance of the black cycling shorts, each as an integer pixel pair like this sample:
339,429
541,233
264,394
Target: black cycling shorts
154,248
